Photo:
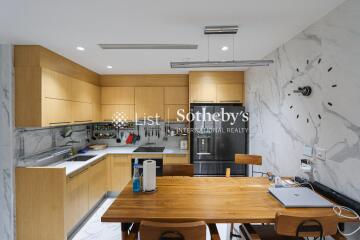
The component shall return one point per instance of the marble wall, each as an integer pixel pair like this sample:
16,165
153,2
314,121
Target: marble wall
6,144
326,57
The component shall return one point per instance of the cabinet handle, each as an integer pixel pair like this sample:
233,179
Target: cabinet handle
224,101
84,121
199,101
203,153
78,173
55,123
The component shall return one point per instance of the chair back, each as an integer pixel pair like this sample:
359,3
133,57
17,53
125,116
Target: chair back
178,170
172,231
309,225
248,159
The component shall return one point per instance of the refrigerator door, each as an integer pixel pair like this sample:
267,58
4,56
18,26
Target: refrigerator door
230,136
203,135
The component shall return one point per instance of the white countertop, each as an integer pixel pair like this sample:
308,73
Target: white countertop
72,167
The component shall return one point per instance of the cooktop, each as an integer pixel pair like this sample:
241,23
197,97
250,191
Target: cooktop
149,149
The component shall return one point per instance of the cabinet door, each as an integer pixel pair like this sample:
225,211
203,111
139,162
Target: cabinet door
97,182
77,197
108,111
56,112
229,93
172,110
203,93
176,95
149,102
176,159
56,85
96,112
81,91
117,95
120,172
81,112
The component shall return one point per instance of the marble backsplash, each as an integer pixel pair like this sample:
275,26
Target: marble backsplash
326,57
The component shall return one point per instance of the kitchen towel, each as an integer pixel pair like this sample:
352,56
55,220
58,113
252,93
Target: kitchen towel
149,175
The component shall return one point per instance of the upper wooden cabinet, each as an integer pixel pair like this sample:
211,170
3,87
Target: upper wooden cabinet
149,101
52,90
216,87
117,95
176,95
229,93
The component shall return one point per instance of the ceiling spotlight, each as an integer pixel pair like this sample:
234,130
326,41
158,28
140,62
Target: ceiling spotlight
80,48
224,48
109,67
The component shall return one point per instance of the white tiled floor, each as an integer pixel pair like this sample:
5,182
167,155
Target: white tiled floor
94,229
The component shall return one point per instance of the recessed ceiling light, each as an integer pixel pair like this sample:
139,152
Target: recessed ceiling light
109,67
80,48
225,48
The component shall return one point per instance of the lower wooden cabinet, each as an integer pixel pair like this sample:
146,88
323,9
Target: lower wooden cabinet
97,182
176,159
77,197
120,166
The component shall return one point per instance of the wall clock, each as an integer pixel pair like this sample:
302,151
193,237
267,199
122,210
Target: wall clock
310,89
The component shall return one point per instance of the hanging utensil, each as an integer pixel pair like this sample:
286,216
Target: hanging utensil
118,139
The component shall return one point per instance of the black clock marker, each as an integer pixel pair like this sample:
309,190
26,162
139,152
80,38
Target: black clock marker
297,70
330,69
291,107
297,116
319,61
307,61
329,103
334,85
307,120
319,116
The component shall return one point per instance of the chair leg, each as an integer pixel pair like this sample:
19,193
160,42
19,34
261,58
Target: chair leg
232,234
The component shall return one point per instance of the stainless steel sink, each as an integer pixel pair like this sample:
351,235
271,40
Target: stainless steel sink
80,158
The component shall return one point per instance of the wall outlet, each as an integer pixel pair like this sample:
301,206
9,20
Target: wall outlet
308,151
320,153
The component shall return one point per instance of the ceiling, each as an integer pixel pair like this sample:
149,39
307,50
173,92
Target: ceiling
61,26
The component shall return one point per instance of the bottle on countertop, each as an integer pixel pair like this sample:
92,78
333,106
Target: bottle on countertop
136,177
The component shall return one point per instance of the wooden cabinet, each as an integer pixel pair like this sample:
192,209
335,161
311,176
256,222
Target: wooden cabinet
81,112
107,111
77,190
120,166
229,93
176,95
45,86
97,182
172,110
216,87
56,85
117,95
176,159
56,112
202,93
149,102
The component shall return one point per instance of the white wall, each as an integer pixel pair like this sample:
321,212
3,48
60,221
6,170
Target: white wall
275,130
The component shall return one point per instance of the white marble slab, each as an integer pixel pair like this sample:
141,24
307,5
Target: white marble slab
325,56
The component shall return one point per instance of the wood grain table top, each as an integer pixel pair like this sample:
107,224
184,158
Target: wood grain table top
209,199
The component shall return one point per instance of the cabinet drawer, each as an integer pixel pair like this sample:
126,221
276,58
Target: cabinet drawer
176,159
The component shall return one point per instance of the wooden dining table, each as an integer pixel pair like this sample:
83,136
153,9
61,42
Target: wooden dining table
209,199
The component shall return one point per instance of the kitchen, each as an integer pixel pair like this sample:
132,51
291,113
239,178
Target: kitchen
80,116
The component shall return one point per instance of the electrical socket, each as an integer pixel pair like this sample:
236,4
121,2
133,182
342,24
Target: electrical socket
308,151
320,153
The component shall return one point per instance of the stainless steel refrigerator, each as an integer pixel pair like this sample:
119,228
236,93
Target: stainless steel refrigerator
215,138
